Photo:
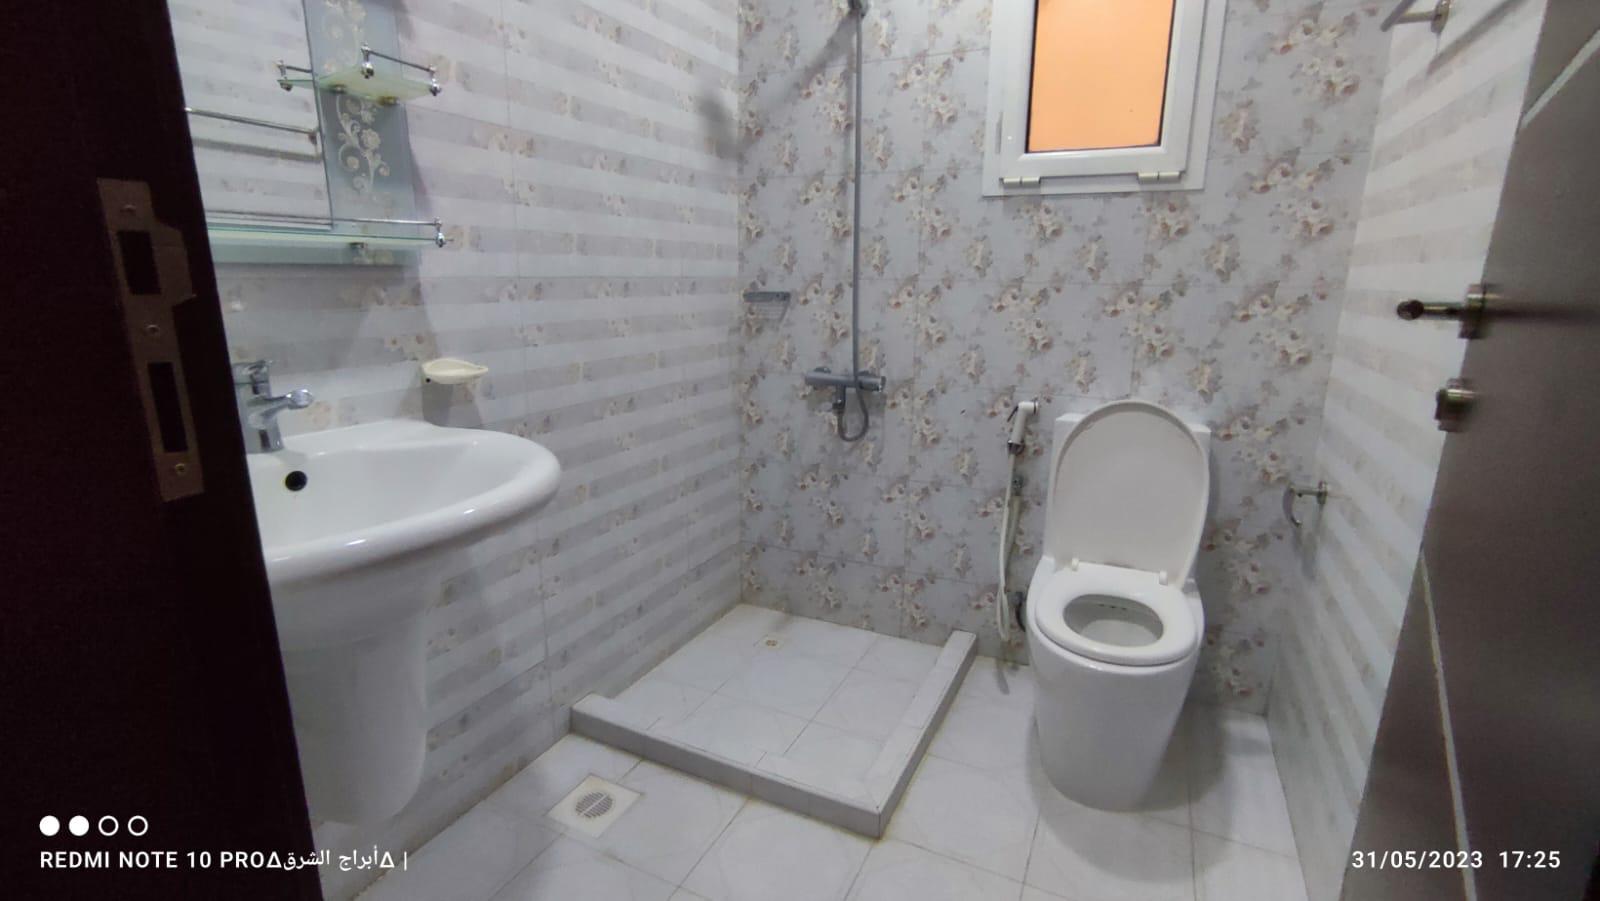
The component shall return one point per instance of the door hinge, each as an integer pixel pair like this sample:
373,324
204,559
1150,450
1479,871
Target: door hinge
1020,181
152,266
1159,178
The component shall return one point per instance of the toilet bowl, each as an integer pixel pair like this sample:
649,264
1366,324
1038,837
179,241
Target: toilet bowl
1114,619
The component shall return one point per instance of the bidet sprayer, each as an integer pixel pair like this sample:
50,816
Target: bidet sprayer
1019,423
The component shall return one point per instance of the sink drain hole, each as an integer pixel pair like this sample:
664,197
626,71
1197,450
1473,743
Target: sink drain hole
295,481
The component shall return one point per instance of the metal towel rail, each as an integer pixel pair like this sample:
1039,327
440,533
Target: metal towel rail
300,218
311,133
1401,16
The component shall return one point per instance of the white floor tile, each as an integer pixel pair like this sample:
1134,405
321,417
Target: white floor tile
981,817
896,871
840,646
675,820
770,854
796,685
843,755
899,657
746,624
867,704
1214,733
1001,685
569,870
532,792
662,700
985,735
741,731
469,861
1080,852
1229,871
684,894
1239,796
708,659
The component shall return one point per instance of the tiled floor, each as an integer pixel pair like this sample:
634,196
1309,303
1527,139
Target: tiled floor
979,821
825,696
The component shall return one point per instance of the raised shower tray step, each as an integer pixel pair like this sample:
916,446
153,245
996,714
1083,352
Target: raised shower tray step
861,804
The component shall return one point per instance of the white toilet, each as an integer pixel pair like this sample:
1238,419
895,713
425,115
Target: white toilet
1113,617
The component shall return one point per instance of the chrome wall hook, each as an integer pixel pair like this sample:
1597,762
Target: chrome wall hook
1293,492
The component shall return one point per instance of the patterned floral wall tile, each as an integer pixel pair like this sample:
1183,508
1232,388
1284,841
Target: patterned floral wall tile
952,530
1287,216
1302,73
1235,669
1221,303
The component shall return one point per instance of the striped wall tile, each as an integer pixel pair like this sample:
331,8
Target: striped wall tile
592,267
1443,134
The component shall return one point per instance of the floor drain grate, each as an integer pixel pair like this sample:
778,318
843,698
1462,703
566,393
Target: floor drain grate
772,641
593,806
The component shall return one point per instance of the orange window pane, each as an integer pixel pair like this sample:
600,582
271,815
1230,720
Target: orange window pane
1099,73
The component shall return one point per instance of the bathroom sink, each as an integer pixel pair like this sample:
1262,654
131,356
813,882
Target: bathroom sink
338,502
357,525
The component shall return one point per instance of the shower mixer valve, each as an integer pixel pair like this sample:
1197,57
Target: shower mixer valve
823,377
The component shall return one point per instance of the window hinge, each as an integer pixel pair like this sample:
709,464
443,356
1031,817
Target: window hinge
1159,178
1020,181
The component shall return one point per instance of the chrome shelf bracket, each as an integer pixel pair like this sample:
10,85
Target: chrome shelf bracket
367,69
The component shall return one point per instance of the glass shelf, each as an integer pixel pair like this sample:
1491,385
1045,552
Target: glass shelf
382,87
235,241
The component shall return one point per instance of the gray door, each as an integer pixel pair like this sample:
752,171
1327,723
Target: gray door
1512,549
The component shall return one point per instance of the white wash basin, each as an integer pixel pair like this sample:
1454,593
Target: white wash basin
355,554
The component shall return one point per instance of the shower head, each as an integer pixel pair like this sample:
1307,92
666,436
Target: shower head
858,7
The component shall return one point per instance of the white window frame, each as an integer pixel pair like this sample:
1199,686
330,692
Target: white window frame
1177,163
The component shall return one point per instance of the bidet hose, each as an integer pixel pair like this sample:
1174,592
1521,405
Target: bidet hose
1008,531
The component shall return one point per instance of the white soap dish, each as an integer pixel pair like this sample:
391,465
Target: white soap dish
450,371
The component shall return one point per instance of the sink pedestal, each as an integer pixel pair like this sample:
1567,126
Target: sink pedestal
359,527
358,685
360,718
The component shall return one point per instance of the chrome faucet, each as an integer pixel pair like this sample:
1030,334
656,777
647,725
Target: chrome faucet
258,409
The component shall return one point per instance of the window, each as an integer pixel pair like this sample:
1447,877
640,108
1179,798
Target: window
1094,96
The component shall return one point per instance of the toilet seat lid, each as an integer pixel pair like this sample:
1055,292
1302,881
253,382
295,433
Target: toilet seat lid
1128,488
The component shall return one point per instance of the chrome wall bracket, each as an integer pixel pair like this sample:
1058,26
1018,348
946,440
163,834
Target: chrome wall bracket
1435,17
1292,493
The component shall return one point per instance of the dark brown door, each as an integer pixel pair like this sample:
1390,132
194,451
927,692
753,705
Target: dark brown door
1508,648
139,664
